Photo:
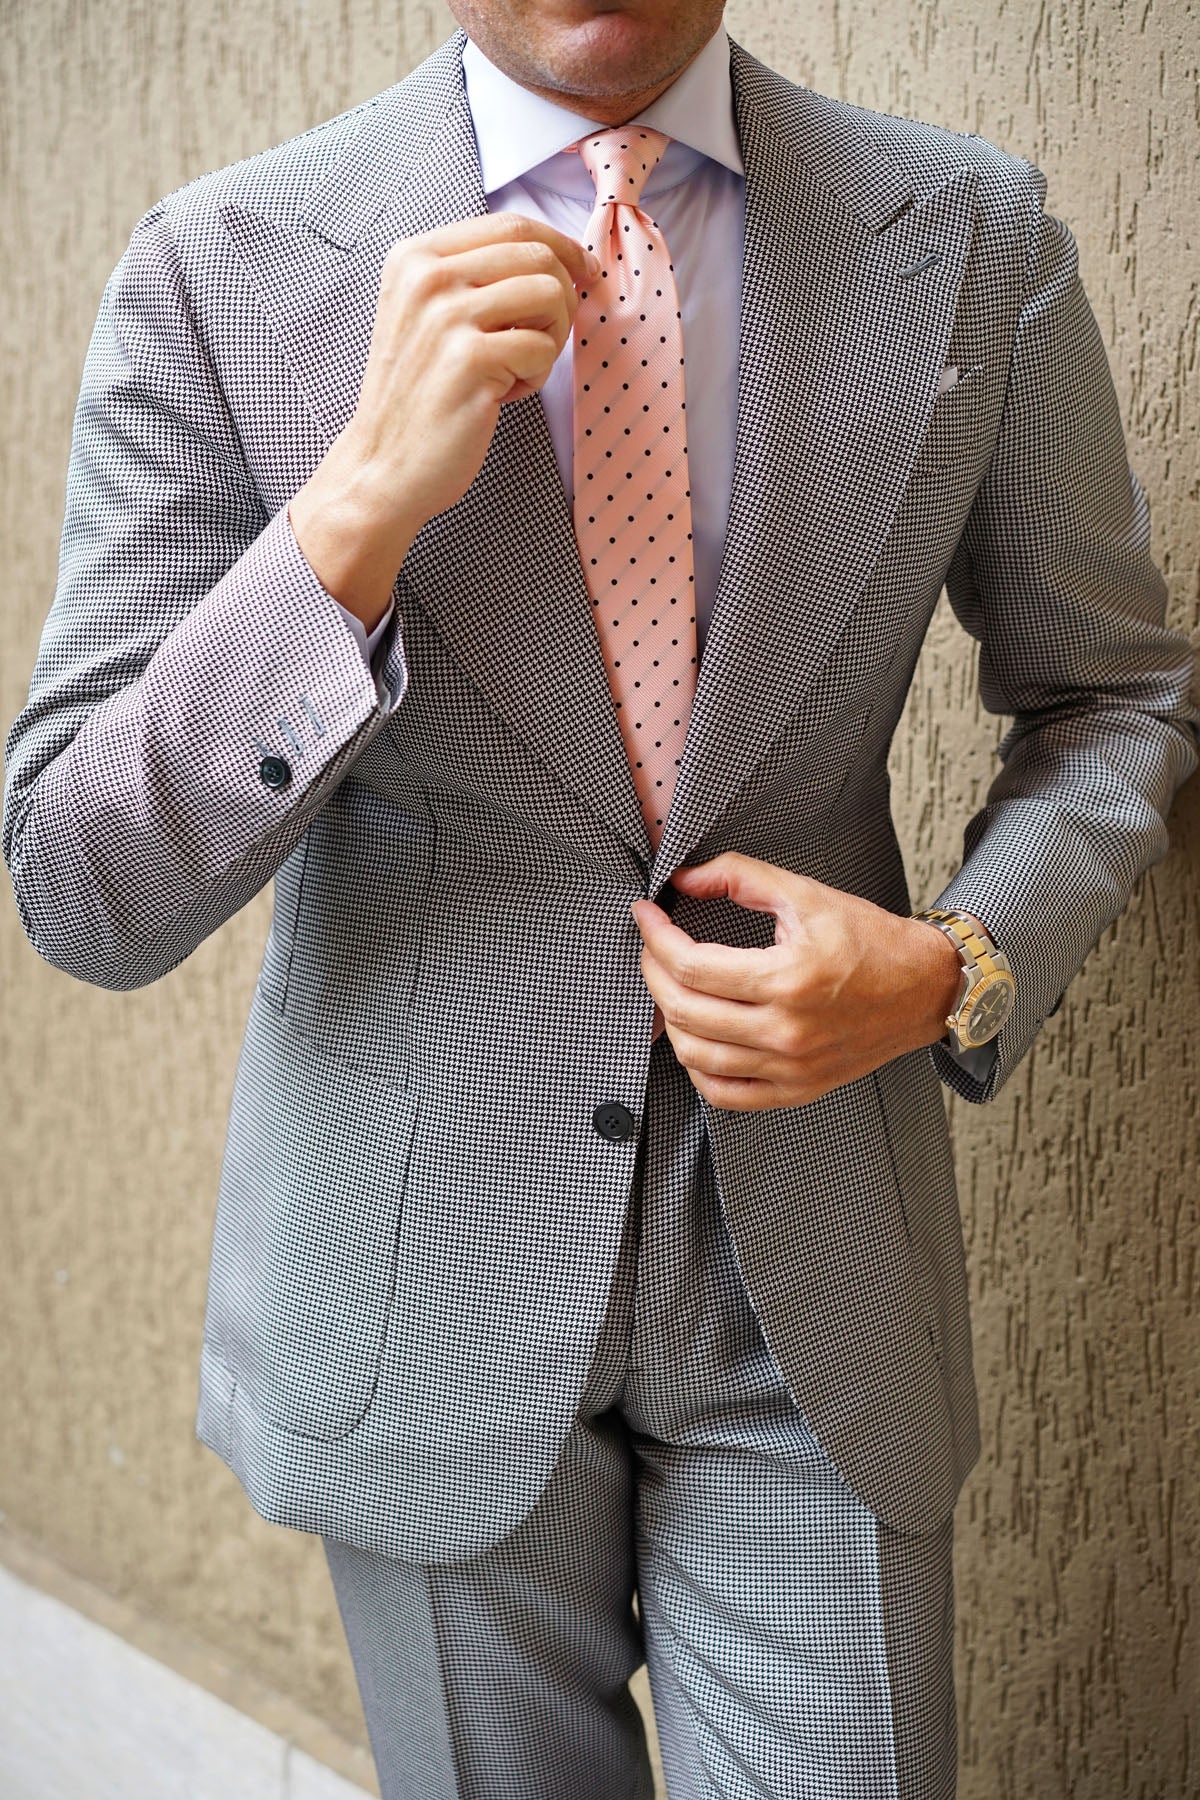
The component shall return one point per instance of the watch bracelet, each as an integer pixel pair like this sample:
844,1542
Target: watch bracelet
970,940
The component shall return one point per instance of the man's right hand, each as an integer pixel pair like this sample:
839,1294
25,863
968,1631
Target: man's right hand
469,316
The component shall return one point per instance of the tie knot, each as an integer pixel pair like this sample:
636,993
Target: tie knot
619,160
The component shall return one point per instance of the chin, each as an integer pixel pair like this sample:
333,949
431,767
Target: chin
607,53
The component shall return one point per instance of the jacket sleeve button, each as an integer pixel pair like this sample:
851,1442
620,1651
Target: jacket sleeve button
274,771
614,1121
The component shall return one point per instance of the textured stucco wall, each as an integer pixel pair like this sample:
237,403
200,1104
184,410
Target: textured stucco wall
1079,1540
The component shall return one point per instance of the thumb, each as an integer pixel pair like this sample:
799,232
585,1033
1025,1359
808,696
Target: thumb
746,881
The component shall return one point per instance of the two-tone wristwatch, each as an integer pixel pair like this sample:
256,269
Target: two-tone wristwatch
985,1000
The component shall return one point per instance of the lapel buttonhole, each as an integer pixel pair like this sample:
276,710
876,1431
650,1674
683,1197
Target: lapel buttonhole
928,261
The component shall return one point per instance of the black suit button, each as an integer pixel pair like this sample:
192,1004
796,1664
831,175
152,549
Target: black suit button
275,771
614,1121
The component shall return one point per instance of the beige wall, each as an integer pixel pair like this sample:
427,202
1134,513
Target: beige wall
1078,1550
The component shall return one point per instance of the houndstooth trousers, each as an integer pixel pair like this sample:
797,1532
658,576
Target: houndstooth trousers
795,1646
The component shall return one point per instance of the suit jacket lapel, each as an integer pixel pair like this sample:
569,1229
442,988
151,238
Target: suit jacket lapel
840,354
498,573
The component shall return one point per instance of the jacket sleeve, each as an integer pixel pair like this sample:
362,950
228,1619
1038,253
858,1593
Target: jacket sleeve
1053,576
188,640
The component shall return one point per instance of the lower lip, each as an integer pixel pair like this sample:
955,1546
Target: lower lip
585,11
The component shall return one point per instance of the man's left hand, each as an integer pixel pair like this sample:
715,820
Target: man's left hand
845,987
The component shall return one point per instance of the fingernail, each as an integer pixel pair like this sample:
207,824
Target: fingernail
593,262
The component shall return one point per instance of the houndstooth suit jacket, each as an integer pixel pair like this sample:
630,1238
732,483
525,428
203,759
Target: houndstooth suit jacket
417,1222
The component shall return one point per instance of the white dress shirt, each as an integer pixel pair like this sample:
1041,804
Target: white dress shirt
696,197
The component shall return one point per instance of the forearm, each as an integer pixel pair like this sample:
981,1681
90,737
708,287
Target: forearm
349,531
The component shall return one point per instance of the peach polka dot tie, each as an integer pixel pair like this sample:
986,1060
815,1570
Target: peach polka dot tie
633,509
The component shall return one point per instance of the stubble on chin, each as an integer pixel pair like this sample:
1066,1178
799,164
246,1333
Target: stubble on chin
578,60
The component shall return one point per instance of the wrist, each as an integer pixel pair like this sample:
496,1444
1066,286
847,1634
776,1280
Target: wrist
938,981
350,533
986,996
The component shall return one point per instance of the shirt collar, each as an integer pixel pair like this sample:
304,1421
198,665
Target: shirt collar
521,134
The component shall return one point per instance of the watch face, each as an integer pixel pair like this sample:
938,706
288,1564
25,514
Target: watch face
992,1004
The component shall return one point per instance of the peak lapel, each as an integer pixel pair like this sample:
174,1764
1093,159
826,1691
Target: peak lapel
498,573
840,354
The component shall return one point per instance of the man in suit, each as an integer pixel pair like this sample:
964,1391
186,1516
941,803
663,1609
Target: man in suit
587,1226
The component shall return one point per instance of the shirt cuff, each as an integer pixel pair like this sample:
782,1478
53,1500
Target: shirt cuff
976,1062
367,643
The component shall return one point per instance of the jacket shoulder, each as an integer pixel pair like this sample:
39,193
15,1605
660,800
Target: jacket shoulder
1010,190
928,153
876,160
915,144
277,180
281,180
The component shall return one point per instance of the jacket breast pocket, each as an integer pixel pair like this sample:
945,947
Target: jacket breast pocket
308,1220
955,429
